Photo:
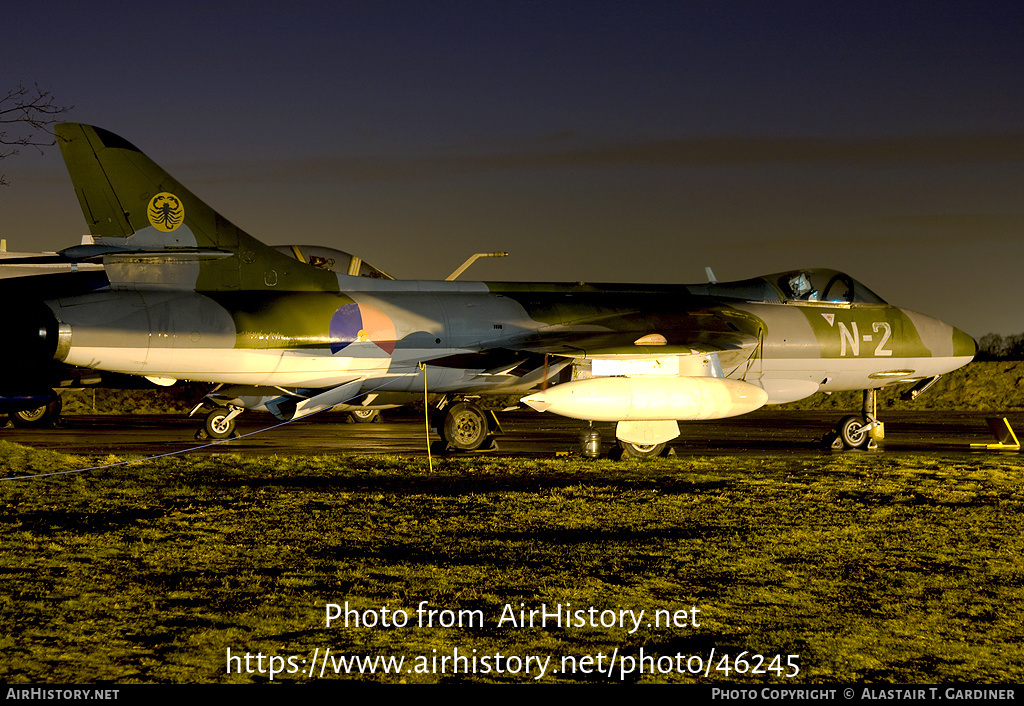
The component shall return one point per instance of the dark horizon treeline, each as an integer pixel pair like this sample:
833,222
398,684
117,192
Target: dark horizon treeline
992,346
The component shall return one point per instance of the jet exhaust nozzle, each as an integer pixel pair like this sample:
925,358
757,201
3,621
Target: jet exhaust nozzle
33,336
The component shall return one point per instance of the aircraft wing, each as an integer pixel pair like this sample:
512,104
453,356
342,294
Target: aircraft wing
630,344
647,336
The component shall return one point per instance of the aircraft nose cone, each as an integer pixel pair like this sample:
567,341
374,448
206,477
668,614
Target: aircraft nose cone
963,345
939,339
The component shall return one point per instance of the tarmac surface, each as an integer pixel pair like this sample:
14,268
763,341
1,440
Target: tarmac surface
526,434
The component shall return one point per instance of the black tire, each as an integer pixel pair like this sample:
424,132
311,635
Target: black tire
465,426
218,426
641,450
38,417
364,416
849,434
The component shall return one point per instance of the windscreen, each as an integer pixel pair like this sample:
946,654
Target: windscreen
823,286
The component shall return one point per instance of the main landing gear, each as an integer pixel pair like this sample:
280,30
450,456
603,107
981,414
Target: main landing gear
590,447
624,449
858,432
465,426
220,423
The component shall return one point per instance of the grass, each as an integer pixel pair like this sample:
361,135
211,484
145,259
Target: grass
870,567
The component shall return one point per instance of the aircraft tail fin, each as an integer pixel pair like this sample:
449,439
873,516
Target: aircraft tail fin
131,202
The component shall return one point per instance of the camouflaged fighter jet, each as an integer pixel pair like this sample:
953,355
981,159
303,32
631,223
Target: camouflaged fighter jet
189,296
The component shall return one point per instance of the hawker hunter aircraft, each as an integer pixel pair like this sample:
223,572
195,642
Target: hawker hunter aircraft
186,295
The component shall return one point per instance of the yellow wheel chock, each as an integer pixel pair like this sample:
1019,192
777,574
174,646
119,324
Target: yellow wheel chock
1004,433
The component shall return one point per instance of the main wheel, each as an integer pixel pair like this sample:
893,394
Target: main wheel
218,426
43,416
641,450
364,416
851,433
465,426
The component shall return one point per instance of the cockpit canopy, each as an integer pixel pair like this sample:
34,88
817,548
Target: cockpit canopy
334,260
829,286
822,286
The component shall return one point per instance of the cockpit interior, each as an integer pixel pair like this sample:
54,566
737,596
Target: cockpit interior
333,260
828,286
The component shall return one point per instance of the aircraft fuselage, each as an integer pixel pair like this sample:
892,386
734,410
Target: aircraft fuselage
375,333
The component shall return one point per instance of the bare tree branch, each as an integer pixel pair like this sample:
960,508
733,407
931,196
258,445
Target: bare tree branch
26,115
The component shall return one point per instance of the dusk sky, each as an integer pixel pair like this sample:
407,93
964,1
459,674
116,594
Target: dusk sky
597,141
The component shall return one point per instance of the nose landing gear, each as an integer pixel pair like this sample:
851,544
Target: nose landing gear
859,432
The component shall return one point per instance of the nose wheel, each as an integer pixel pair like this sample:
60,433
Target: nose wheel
364,416
859,432
852,432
